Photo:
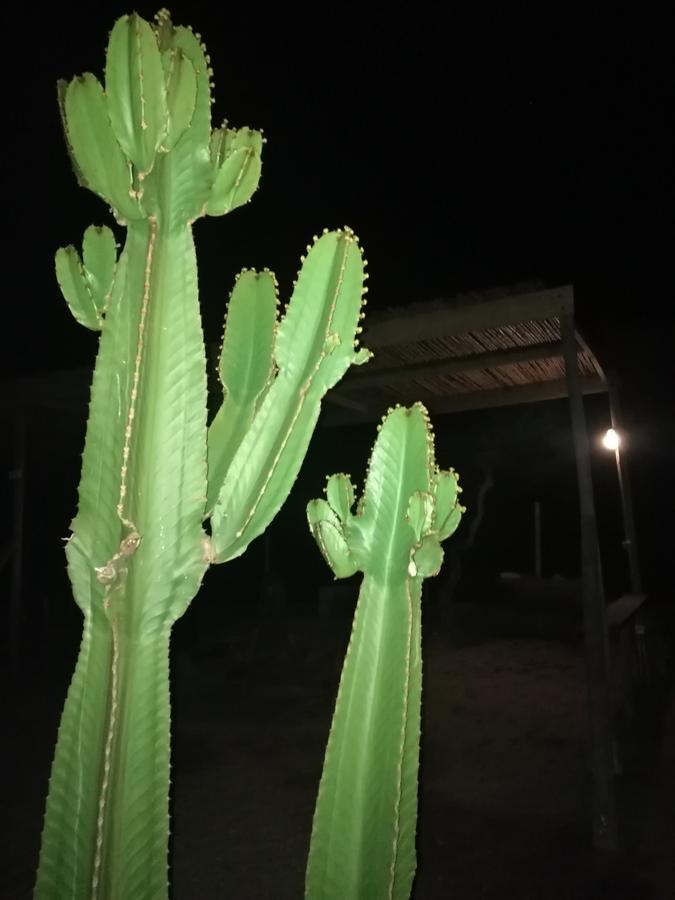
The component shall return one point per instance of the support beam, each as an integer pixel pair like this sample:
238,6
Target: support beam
605,832
424,321
445,367
593,358
471,400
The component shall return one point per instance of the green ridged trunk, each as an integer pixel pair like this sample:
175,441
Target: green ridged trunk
363,836
358,857
161,496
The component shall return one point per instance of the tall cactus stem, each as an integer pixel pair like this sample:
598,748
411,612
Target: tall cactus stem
363,834
154,476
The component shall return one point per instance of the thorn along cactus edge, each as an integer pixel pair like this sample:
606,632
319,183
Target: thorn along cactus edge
152,473
363,837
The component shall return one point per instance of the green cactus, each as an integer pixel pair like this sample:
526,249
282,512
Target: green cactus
363,837
152,474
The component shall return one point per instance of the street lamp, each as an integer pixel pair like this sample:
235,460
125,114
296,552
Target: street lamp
611,440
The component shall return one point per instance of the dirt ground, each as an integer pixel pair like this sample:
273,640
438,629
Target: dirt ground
505,782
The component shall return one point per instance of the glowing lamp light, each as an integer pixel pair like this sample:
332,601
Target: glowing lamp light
611,440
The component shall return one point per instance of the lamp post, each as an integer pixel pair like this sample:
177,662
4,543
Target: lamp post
613,440
605,836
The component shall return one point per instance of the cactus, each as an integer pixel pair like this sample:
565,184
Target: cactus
152,473
363,836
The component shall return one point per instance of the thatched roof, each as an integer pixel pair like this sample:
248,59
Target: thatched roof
472,351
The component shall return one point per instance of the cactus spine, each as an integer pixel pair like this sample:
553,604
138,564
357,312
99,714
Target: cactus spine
363,837
152,473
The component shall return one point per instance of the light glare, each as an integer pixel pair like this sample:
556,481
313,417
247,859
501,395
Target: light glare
611,439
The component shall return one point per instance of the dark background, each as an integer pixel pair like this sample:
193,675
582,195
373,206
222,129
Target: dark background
468,149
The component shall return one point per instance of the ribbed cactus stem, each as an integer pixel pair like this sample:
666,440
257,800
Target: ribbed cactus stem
152,472
363,835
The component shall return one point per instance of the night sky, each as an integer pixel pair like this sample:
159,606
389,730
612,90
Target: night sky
468,150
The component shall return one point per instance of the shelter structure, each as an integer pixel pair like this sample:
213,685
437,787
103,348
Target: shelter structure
502,348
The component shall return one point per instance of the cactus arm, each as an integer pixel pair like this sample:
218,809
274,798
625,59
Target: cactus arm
245,507
181,95
363,835
61,94
237,158
184,178
340,495
136,91
245,369
87,283
329,535
314,348
100,161
99,260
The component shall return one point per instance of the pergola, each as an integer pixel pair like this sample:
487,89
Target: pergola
474,351
500,348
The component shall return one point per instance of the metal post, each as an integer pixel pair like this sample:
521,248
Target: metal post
605,833
630,542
